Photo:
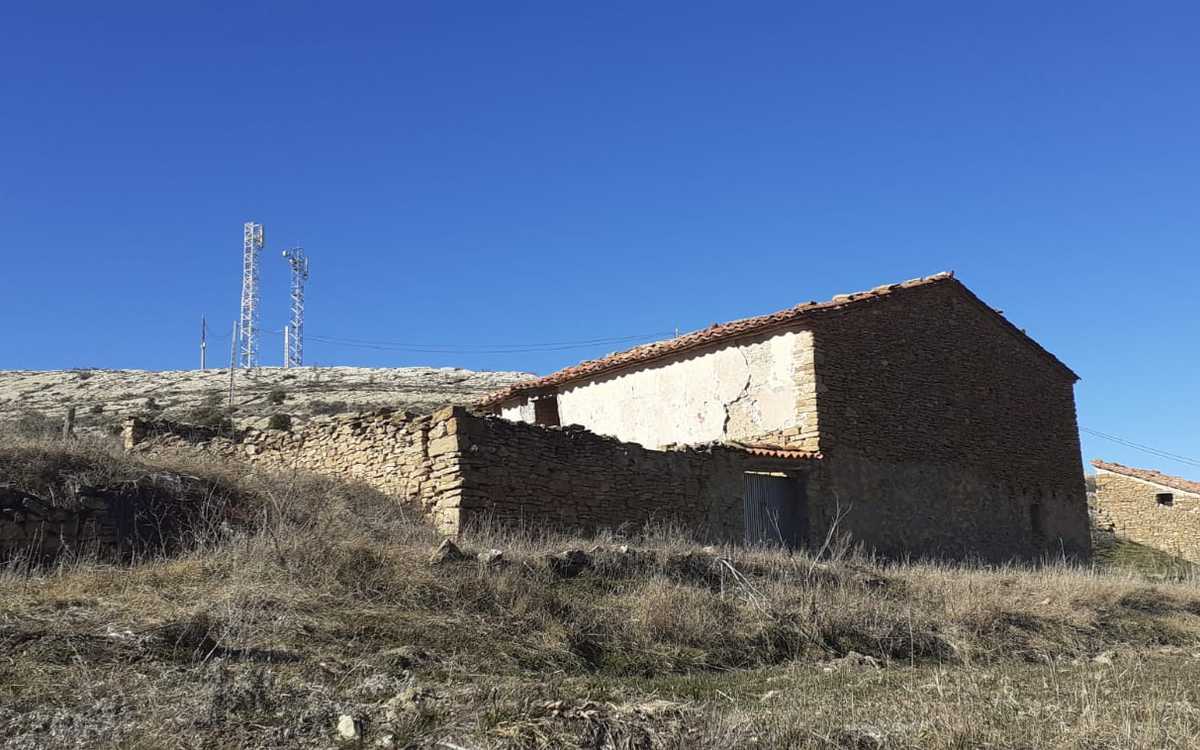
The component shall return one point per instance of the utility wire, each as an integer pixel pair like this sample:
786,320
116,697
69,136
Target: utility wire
1145,448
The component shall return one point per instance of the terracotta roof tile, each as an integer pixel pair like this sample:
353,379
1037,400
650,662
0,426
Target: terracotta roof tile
1150,475
734,329
777,451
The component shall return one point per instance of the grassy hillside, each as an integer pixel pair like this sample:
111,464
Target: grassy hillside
322,609
103,397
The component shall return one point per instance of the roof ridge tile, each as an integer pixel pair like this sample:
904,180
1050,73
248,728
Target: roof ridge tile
1148,475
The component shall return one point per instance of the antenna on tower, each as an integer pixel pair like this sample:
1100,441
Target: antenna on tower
293,334
247,332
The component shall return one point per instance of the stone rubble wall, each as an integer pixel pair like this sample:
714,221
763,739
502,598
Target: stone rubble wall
1129,507
156,512
464,469
408,456
30,526
573,479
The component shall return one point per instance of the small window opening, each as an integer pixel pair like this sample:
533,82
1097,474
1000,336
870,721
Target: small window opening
545,411
1165,498
1035,519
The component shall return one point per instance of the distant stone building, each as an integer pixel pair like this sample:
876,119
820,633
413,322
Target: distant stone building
914,413
1150,508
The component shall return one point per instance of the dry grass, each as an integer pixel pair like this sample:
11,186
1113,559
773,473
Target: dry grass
325,604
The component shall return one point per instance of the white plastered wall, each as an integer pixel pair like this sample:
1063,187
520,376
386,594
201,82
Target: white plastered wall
739,391
518,411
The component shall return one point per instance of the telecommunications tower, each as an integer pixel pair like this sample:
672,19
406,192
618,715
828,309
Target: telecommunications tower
247,332
293,335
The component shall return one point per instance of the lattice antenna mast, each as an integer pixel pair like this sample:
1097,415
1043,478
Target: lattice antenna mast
294,338
248,323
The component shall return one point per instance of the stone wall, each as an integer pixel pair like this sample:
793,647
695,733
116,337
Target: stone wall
30,526
464,469
571,478
1130,508
946,431
405,455
153,513
926,509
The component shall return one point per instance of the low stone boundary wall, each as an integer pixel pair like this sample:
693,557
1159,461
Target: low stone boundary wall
464,469
574,479
147,515
30,526
408,456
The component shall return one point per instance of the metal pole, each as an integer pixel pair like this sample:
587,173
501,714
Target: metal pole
203,340
286,349
232,360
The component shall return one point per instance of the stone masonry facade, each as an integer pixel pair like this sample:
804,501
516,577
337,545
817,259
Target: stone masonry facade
463,469
1149,508
947,432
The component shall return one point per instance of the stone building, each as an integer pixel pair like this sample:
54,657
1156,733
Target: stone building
914,415
1149,507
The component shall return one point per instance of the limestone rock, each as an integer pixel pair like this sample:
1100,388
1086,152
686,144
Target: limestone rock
852,660
569,563
409,701
491,557
447,552
349,728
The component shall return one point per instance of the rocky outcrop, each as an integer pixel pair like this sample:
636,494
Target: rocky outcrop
107,396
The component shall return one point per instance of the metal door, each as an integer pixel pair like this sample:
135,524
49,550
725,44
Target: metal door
775,512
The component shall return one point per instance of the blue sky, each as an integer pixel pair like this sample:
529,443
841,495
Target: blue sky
469,176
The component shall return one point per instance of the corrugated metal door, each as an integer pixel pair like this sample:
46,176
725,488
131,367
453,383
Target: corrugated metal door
775,513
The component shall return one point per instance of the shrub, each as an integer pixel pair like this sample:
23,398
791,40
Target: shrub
35,424
277,396
280,422
211,416
327,407
96,409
